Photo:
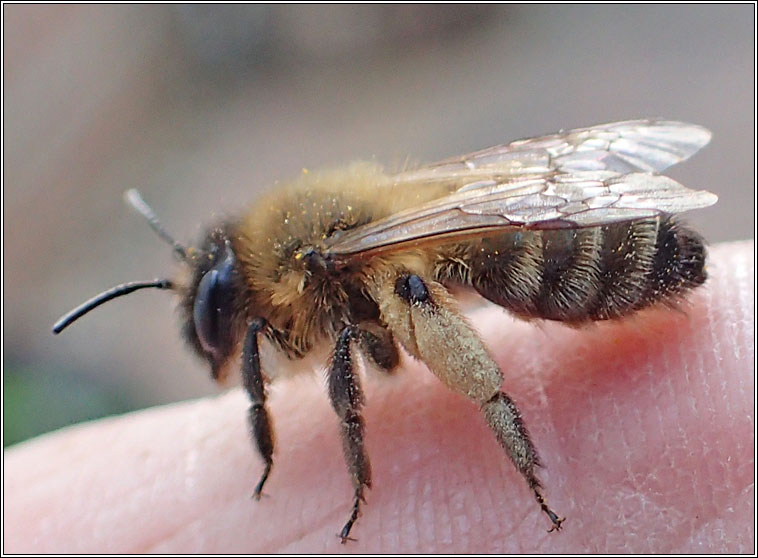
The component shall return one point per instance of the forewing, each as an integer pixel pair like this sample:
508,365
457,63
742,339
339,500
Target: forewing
557,200
623,147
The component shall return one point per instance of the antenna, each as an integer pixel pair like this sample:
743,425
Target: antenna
105,296
134,199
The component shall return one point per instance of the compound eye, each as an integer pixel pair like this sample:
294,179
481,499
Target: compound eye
213,309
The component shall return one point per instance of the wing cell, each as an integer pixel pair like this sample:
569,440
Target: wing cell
580,178
622,147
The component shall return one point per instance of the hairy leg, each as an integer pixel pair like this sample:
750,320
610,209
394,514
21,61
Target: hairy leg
260,422
378,345
347,399
423,317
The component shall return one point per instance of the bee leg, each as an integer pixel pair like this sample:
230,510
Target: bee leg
379,346
347,399
423,317
260,422
505,421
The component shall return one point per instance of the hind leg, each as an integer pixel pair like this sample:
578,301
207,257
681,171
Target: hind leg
423,317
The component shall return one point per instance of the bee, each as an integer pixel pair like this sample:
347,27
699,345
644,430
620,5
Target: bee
576,227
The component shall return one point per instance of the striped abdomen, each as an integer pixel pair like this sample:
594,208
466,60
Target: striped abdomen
581,274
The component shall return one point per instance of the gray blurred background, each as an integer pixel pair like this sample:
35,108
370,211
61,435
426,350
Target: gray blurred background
201,106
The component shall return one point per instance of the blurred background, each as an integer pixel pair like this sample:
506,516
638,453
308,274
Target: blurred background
201,106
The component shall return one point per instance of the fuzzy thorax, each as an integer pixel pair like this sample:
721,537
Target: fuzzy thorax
279,245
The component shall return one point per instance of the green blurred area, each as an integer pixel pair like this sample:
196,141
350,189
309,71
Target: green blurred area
37,401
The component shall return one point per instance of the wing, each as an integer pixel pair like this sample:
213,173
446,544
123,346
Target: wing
582,178
623,147
583,199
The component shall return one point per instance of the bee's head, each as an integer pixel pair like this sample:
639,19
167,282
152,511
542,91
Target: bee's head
213,302
209,300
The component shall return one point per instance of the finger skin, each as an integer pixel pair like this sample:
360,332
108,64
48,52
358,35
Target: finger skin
645,428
